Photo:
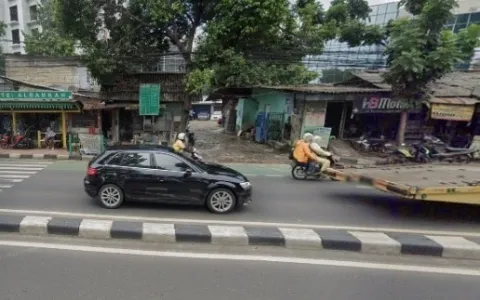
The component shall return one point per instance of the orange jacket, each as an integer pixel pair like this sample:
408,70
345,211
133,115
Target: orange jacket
302,152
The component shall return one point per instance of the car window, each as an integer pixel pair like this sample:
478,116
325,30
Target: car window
137,159
115,159
170,163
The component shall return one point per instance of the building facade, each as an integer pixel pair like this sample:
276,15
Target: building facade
20,16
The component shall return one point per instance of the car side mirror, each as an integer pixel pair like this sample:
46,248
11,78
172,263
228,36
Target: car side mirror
188,172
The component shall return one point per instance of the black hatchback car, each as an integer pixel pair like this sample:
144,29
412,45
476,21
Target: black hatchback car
158,174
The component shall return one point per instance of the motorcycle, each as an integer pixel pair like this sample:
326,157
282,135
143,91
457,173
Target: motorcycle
19,141
299,170
190,137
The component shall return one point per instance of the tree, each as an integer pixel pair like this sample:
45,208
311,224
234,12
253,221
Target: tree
49,41
420,50
252,42
115,38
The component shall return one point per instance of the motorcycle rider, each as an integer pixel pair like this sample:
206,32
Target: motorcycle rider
179,145
302,152
315,147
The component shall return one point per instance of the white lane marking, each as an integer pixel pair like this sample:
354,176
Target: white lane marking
243,223
14,176
5,186
16,172
10,180
21,168
235,257
25,165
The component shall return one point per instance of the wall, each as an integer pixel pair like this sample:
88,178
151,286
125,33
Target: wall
62,73
246,113
275,99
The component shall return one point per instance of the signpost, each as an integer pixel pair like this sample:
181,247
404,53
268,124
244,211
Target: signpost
149,100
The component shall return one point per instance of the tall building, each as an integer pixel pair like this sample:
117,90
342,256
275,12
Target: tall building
341,57
19,16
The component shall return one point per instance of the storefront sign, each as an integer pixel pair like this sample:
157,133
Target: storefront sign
384,105
32,95
452,112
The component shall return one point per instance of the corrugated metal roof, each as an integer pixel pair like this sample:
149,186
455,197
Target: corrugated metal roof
328,89
456,84
455,101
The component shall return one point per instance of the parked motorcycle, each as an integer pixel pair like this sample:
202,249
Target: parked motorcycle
19,141
379,145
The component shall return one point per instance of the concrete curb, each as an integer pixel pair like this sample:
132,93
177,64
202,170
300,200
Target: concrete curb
45,156
291,238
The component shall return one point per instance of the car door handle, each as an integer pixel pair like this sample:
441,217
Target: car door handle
160,180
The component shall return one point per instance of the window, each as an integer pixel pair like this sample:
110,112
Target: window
463,18
392,7
170,163
13,13
382,9
16,36
33,13
451,20
116,159
138,160
475,18
459,27
390,16
380,20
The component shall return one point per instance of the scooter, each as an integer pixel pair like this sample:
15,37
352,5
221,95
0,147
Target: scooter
299,170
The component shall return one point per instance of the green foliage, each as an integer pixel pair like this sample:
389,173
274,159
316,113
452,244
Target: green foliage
50,41
252,42
133,37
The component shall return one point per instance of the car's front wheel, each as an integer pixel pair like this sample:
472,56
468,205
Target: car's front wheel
110,196
221,201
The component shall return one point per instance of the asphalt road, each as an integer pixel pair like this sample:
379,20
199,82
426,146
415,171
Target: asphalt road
33,272
276,199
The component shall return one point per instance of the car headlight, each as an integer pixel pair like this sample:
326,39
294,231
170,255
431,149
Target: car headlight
245,185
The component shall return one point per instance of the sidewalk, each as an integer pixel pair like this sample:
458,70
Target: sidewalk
383,243
37,153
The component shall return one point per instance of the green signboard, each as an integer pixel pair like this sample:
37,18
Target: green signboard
149,101
35,95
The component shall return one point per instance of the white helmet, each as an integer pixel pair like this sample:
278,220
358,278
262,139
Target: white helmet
317,139
181,136
307,137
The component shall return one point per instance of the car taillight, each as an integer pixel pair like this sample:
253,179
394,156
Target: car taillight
92,172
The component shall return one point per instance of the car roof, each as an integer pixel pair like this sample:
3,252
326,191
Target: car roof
156,148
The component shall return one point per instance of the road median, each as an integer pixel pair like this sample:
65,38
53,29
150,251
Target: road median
383,243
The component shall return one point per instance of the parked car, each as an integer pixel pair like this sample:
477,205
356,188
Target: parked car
203,116
217,115
158,174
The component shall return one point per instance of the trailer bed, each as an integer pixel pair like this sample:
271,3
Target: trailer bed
446,183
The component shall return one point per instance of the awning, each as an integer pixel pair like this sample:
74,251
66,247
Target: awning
127,106
453,109
66,106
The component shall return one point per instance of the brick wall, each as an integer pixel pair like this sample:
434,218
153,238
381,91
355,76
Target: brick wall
63,73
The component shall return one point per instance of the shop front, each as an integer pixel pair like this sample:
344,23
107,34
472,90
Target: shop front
31,113
453,119
378,116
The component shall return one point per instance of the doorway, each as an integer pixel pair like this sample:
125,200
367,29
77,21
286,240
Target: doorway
333,117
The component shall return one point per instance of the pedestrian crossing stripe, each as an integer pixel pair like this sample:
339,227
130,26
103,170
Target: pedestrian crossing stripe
13,172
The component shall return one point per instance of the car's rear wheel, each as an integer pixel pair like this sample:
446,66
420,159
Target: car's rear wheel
221,201
110,196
